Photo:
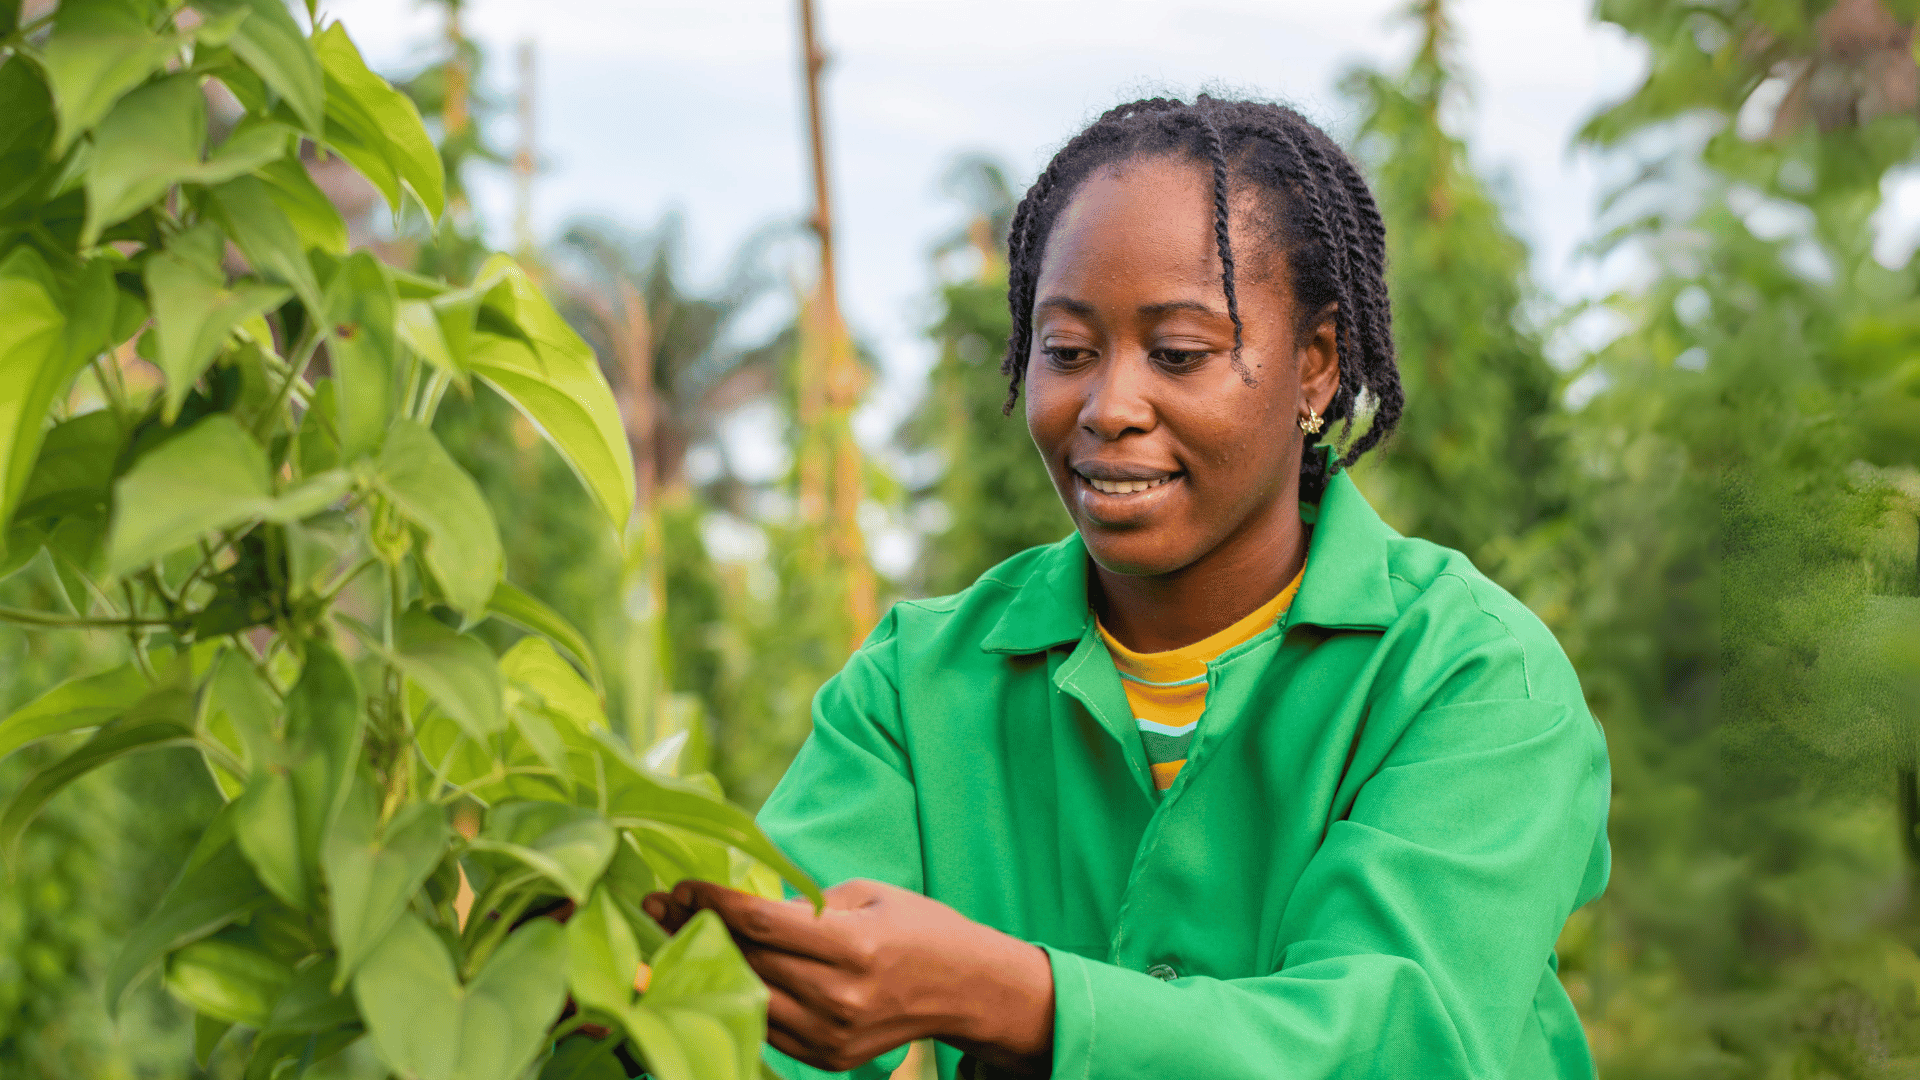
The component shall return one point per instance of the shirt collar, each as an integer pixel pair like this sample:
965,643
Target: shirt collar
1346,585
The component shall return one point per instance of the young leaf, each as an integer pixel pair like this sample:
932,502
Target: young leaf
514,605
227,980
212,477
458,672
315,219
74,704
533,664
271,43
432,491
374,872
568,845
638,797
246,209
151,141
377,128
557,384
266,823
164,717
34,366
700,978
100,50
429,1027
361,342
73,474
310,1004
207,1033
195,310
209,894
323,739
26,132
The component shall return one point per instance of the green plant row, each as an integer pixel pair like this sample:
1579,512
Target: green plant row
295,563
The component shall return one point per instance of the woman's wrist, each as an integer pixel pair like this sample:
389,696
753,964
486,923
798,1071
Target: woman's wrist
1005,1007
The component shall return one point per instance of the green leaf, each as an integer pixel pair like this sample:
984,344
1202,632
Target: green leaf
73,474
533,665
374,872
271,43
420,329
638,797
266,822
35,366
227,980
212,477
164,717
377,128
699,979
311,1004
246,208
602,956
324,717
152,140
209,894
207,1033
568,845
512,604
457,671
429,1027
195,310
361,343
581,1057
74,704
100,50
432,491
557,384
26,132
316,221
238,712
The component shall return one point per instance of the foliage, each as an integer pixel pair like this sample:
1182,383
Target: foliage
1708,513
297,567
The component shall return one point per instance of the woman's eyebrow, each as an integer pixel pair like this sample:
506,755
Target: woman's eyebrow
1066,304
1169,307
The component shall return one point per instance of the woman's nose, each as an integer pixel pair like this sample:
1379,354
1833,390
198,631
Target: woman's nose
1118,399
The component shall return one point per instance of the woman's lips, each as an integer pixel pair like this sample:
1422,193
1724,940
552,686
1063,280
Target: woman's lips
1119,502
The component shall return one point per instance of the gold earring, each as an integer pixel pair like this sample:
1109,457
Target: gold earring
1312,422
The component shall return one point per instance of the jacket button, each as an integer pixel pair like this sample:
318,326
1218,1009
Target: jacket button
1163,972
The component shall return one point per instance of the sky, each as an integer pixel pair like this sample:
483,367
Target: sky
645,107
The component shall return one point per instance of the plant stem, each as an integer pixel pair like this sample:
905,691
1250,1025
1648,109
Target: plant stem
109,389
495,931
333,590
70,622
430,398
294,370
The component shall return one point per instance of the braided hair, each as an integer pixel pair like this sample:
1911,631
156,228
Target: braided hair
1323,220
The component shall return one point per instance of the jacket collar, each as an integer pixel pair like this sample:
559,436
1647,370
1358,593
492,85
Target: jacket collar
1346,586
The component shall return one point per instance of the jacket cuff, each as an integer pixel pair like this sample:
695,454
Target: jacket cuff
1094,1006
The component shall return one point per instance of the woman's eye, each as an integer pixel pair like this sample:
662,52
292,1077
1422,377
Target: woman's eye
1062,356
1181,358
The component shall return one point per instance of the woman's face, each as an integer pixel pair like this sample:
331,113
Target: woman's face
1161,451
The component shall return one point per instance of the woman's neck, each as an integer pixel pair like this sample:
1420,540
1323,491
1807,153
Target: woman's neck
1168,611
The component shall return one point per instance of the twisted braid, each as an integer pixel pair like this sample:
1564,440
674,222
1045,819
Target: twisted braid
1326,224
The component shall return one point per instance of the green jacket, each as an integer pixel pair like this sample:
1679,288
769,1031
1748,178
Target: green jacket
1393,802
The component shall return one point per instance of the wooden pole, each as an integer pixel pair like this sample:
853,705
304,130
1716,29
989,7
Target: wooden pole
523,158
830,378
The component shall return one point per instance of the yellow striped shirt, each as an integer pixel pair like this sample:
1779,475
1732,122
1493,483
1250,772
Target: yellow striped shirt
1168,690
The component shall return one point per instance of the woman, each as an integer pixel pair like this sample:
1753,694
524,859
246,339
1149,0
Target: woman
1234,781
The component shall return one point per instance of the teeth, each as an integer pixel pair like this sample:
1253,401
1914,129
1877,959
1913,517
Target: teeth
1125,487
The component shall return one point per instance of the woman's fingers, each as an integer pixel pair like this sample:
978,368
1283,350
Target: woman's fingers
788,926
662,908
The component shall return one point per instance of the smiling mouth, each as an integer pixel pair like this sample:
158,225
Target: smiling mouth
1126,487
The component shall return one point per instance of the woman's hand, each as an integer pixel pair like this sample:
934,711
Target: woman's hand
879,967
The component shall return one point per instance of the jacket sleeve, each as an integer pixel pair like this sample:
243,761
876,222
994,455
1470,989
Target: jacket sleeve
1419,933
846,807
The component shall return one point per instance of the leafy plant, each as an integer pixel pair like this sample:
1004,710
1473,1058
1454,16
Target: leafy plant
296,565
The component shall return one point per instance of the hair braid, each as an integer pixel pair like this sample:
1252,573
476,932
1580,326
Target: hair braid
1217,157
1325,224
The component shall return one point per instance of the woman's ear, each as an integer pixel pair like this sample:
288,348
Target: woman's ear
1320,361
